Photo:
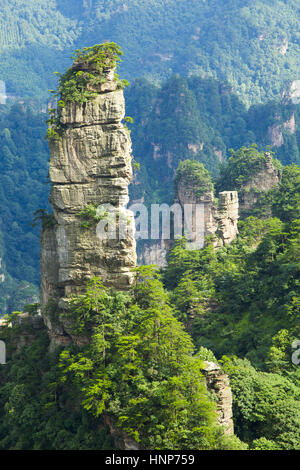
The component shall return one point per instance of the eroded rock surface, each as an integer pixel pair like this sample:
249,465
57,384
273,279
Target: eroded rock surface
219,217
266,179
218,382
90,164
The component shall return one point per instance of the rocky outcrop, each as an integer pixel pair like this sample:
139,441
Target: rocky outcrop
153,252
90,166
267,178
227,216
291,93
275,135
219,217
218,383
29,324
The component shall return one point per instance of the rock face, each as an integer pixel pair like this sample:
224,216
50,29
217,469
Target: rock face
154,253
227,216
264,180
218,382
90,166
219,219
291,93
275,135
216,218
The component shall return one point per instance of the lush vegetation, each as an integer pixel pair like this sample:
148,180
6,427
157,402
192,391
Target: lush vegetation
195,119
138,369
201,119
265,405
83,80
90,215
23,190
242,302
253,45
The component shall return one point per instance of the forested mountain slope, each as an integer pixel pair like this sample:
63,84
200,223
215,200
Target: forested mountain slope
23,190
200,119
252,44
184,118
136,359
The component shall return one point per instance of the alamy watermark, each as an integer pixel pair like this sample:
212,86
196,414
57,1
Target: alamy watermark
158,222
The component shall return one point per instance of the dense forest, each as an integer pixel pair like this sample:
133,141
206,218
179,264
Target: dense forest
23,190
254,44
199,119
213,88
238,305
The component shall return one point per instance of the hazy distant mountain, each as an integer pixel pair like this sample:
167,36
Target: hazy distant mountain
252,44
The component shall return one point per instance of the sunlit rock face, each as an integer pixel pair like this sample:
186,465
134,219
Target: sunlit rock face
218,383
220,217
90,164
269,177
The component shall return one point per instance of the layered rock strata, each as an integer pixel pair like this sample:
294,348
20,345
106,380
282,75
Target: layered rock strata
227,216
218,383
216,218
219,218
90,166
266,179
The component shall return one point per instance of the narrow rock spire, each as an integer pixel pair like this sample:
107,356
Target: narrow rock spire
90,168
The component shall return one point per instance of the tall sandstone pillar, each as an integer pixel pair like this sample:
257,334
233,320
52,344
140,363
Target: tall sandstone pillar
221,220
90,163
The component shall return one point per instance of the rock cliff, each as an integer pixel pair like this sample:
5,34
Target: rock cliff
218,383
220,216
267,178
203,214
90,166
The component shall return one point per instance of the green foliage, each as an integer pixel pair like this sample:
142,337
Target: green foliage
235,42
81,81
243,299
242,166
200,119
90,215
241,296
37,411
54,129
23,174
128,119
42,216
167,119
139,367
193,174
265,406
52,134
286,201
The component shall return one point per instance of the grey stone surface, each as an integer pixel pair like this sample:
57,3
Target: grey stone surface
90,163
218,382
